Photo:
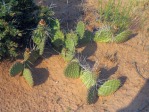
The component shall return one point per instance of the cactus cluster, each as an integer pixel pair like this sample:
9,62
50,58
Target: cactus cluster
19,68
22,68
106,35
108,88
40,35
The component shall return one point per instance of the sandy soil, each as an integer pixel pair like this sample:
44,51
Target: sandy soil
55,93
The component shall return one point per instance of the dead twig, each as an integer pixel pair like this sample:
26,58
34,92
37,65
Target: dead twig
138,71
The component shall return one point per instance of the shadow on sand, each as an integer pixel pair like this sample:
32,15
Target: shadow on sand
140,102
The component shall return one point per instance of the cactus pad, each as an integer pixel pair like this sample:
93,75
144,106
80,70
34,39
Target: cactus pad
72,70
109,87
80,29
28,76
67,55
92,95
103,35
42,46
58,39
71,41
16,68
123,36
88,78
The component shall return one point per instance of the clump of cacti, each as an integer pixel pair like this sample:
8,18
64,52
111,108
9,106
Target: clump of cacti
106,89
23,68
106,35
73,69
40,35
19,68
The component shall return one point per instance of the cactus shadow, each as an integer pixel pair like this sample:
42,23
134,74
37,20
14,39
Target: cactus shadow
106,73
133,35
123,80
141,101
40,76
89,50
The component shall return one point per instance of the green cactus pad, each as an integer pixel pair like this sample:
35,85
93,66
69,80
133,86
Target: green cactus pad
103,35
28,76
109,87
58,39
122,37
72,70
67,55
92,95
88,78
80,29
42,46
71,41
16,68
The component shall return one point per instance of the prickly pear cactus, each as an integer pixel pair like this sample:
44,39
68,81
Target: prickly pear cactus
122,37
40,35
16,68
80,29
67,55
42,46
28,76
92,95
58,39
71,41
103,35
109,87
88,78
72,70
